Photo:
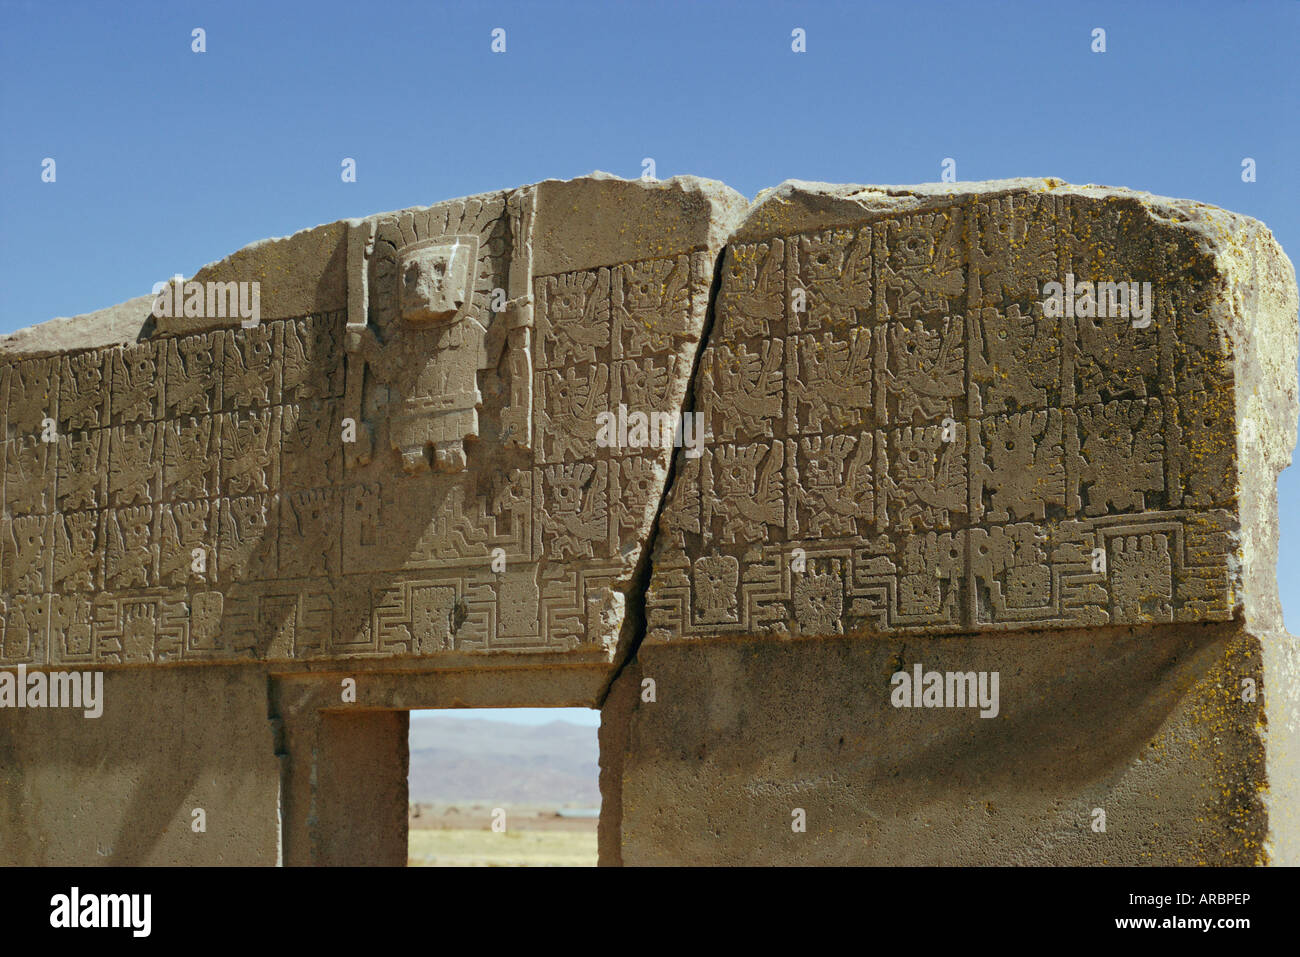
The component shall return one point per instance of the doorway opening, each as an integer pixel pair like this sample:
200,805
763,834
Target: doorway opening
503,787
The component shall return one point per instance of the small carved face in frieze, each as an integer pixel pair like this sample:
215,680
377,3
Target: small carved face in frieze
434,281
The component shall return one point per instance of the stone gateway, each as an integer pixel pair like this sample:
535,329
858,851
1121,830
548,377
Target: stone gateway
1018,429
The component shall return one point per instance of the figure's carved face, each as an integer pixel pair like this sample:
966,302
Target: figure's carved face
434,281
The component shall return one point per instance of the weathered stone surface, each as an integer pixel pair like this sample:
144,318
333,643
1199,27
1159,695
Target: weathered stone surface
123,788
906,439
1144,724
115,326
399,458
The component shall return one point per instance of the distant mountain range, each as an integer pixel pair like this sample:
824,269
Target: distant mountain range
496,762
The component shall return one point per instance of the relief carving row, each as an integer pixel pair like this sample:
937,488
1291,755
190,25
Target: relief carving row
286,361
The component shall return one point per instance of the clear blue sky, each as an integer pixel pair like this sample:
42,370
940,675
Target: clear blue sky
168,159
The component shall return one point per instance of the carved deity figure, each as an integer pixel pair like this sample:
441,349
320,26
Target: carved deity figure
426,316
430,356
